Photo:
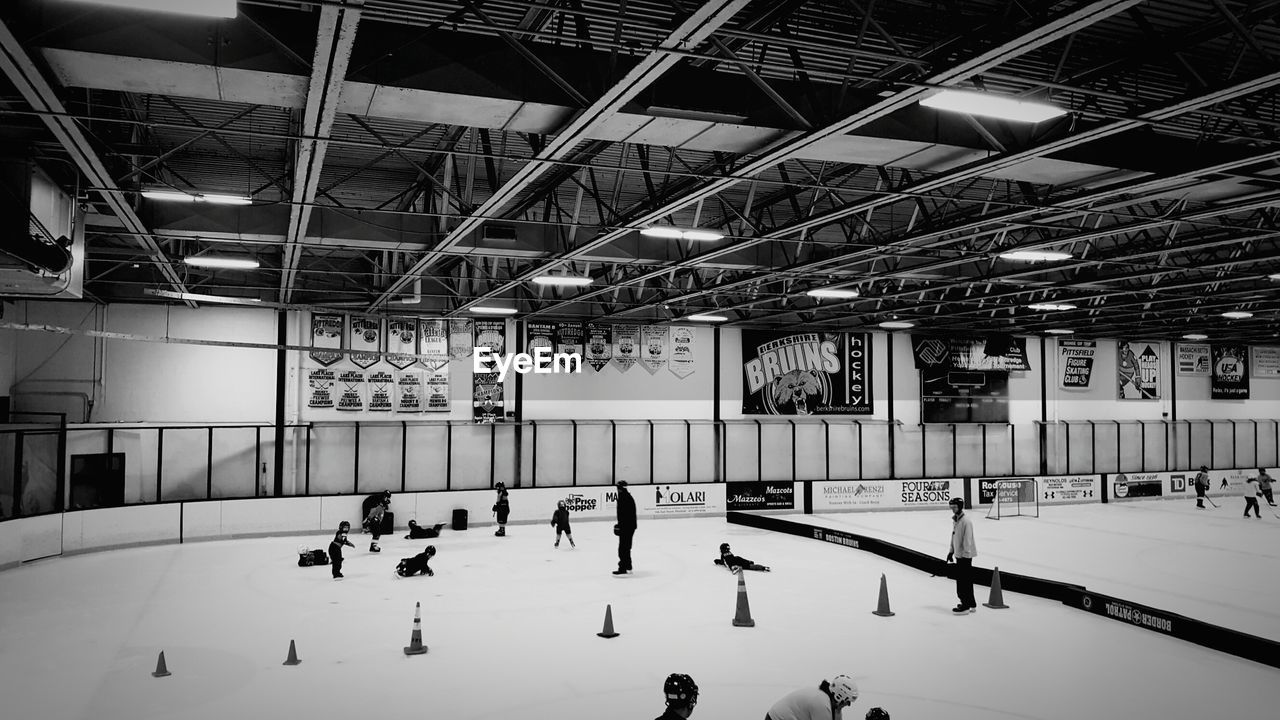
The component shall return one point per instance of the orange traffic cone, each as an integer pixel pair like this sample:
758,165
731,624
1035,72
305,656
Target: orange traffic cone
293,655
996,601
883,608
743,616
608,632
415,641
162,670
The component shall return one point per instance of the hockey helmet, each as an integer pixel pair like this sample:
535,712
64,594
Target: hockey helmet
303,549
877,714
680,689
413,523
956,501
724,548
560,504
344,525
430,551
843,689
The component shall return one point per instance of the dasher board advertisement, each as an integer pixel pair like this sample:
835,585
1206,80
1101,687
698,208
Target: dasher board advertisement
842,495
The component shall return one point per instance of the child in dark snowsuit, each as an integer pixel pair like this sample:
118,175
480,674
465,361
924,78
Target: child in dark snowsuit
335,547
417,532
502,508
417,563
560,520
736,563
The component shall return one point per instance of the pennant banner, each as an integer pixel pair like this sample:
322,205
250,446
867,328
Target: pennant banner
1230,378
681,362
997,351
1077,363
351,390
434,343
1138,370
540,334
599,345
380,391
326,332
402,341
320,388
491,334
626,346
1193,359
460,339
366,340
805,373
1266,361
409,392
569,338
653,338
438,389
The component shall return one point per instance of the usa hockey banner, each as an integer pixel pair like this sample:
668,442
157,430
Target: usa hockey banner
409,392
1230,378
438,389
540,334
320,388
653,340
599,345
1266,361
681,362
351,387
433,342
402,341
380,393
460,339
626,346
1077,363
805,373
997,351
1193,359
326,332
366,340
569,338
1138,370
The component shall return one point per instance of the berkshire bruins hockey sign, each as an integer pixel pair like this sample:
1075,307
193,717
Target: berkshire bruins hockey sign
806,373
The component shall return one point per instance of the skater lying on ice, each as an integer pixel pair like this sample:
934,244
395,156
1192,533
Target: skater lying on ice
736,563
417,563
417,532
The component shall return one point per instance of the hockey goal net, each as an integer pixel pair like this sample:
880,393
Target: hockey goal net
1015,497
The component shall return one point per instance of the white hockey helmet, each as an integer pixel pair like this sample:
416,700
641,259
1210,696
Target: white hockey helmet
843,689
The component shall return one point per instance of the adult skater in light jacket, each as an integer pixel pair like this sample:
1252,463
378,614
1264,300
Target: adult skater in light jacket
963,550
824,702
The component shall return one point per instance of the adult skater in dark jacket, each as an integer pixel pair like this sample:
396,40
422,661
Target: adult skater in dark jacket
335,547
626,527
736,562
560,521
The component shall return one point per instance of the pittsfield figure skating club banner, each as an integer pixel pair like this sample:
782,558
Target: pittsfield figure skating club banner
1193,359
599,345
366,340
653,347
381,383
402,341
433,342
351,389
681,362
1077,363
326,338
1138,370
409,391
997,351
1266,361
806,373
460,339
626,346
568,338
320,384
1230,378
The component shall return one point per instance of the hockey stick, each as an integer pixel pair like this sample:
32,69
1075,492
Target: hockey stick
1211,502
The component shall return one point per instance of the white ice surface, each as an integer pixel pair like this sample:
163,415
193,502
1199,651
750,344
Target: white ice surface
511,625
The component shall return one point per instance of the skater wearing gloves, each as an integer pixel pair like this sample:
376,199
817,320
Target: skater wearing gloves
417,564
824,702
963,550
502,508
682,695
375,509
1202,485
735,562
560,521
335,547
1251,493
625,528
1264,486
417,532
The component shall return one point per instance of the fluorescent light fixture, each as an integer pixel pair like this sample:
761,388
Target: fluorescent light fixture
702,235
661,231
213,261
1035,255
833,293
491,310
1274,276
897,324
197,297
211,198
700,317
992,106
1195,336
1051,306
203,8
573,280
1237,314
1060,331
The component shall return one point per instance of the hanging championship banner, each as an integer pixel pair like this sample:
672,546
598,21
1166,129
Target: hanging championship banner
326,332
599,345
320,388
438,389
540,334
1138,370
366,340
805,373
1266,361
653,340
402,341
569,338
681,362
380,391
351,390
1077,362
997,351
409,392
487,402
626,346
491,334
460,340
434,343
1230,378
1193,359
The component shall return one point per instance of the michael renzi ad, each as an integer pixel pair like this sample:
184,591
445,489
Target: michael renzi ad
806,373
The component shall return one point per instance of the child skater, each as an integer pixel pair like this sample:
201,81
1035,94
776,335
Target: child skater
735,563
417,532
502,508
335,547
560,520
417,564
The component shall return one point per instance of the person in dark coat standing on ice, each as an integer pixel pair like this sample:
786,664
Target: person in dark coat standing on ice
626,527
335,547
502,508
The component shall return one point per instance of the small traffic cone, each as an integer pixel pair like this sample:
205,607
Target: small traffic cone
996,601
883,608
743,616
162,670
607,631
293,655
415,641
